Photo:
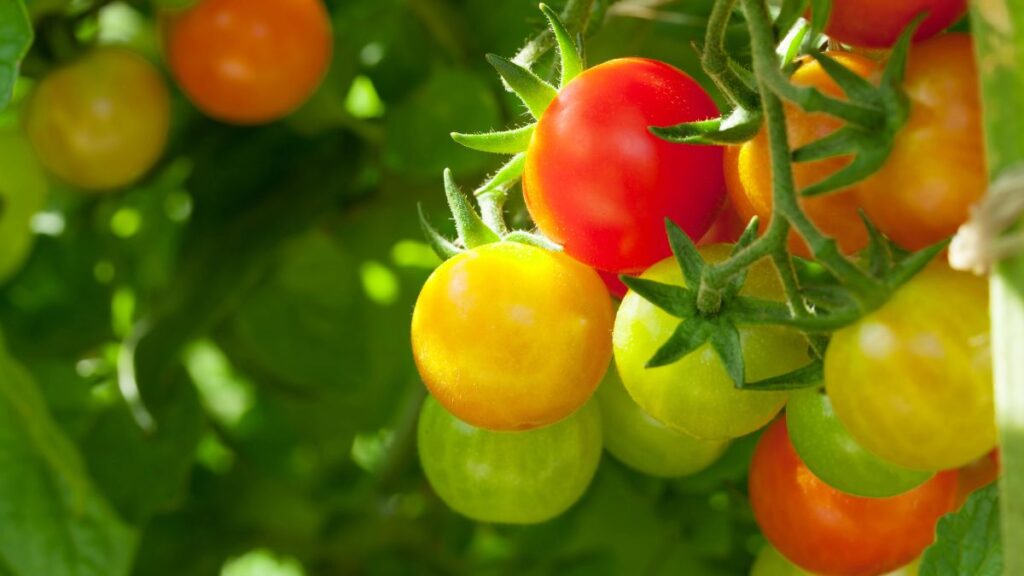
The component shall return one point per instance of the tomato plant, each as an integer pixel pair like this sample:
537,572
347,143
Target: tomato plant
695,395
101,121
827,531
605,198
912,382
877,24
835,457
485,327
23,191
249,61
638,440
512,478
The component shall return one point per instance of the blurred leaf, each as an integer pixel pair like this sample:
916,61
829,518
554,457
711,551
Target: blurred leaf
968,542
15,38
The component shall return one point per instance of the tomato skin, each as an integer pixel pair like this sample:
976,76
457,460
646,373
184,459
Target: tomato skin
510,337
937,168
100,122
249,61
695,395
977,475
644,444
23,192
826,531
879,23
912,381
599,183
614,284
748,172
509,477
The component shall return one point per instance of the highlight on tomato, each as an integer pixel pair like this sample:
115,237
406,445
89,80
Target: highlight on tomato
101,121
605,198
249,61
508,336
878,23
509,477
823,530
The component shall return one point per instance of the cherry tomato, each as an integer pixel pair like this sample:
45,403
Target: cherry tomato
512,478
977,475
599,183
695,395
937,169
770,562
727,229
748,172
23,191
509,337
639,441
912,381
249,61
878,23
835,457
100,122
824,530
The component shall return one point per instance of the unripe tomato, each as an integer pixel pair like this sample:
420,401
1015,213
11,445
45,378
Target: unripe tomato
827,531
509,477
937,169
101,121
599,183
770,562
912,381
23,191
249,61
639,441
748,169
835,457
878,23
695,395
509,336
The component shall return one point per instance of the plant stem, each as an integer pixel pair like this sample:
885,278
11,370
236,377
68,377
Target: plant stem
716,62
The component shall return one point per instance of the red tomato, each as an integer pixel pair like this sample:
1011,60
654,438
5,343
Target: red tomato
615,286
878,23
599,183
977,475
827,531
249,61
727,229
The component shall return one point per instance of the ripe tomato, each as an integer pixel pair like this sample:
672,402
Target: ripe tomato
695,395
509,337
639,441
835,457
23,191
599,183
936,170
824,530
615,286
912,381
249,61
748,171
512,478
101,121
878,23
726,229
977,475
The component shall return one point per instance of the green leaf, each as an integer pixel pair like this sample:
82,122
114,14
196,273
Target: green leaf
855,87
505,177
968,542
735,285
16,36
572,60
739,126
471,228
820,11
675,300
688,336
807,376
725,339
907,268
443,247
879,250
871,153
896,67
533,91
838,143
505,142
531,239
690,261
789,13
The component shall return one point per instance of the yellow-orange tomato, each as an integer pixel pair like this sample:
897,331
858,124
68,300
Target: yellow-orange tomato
101,121
249,61
748,172
511,337
936,170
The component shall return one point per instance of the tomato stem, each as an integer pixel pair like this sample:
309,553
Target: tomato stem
716,62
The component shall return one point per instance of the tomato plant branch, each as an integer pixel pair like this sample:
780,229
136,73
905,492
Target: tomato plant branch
716,62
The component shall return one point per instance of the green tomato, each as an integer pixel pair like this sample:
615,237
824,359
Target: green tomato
835,457
695,395
509,477
23,191
771,562
644,444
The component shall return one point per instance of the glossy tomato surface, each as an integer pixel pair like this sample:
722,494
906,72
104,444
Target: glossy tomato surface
835,457
748,171
639,441
695,395
936,170
599,183
878,23
23,191
100,122
826,531
249,61
509,477
509,337
912,381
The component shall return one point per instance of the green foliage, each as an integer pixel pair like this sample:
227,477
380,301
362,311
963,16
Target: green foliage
968,542
15,37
